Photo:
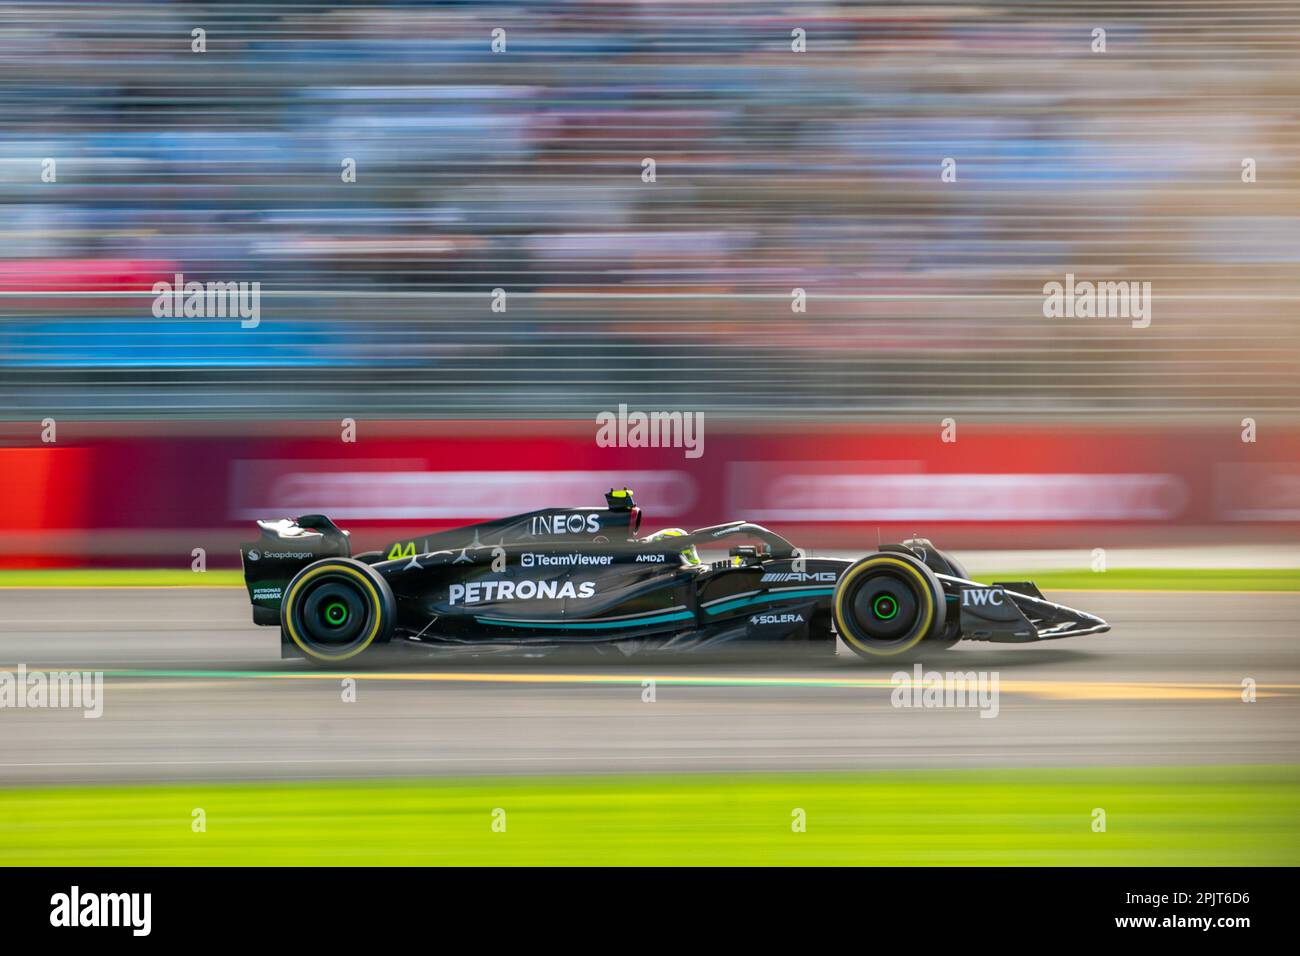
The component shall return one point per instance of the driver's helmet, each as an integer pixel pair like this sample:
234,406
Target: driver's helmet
689,554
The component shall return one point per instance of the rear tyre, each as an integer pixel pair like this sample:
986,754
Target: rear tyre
336,608
887,604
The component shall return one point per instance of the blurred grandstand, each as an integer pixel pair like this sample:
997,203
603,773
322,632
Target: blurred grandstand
775,170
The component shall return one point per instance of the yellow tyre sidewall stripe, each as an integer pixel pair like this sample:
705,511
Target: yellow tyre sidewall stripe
316,572
867,566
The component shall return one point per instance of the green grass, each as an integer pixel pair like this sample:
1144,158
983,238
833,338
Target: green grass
1154,816
1116,579
1157,579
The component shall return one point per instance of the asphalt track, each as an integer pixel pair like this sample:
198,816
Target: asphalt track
194,691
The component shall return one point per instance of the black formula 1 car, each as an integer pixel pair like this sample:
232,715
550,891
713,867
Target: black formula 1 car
581,576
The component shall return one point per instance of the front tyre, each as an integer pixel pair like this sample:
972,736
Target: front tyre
886,604
336,608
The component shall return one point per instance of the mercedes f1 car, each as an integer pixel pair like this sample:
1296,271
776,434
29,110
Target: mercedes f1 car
582,576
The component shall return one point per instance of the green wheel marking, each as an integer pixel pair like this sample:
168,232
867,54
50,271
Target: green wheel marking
885,607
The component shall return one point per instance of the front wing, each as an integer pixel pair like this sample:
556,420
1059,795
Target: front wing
1014,612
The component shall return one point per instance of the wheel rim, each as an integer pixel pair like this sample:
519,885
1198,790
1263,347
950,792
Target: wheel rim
333,614
886,606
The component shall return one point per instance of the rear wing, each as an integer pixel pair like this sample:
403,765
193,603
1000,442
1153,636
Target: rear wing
282,549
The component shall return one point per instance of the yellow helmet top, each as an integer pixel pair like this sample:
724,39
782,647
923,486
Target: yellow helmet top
689,554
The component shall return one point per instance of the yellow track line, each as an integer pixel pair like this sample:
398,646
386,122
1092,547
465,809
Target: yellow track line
1064,690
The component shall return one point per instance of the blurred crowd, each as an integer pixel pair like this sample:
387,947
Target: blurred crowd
381,169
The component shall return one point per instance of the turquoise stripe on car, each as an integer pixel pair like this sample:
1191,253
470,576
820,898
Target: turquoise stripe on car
588,625
773,596
659,618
